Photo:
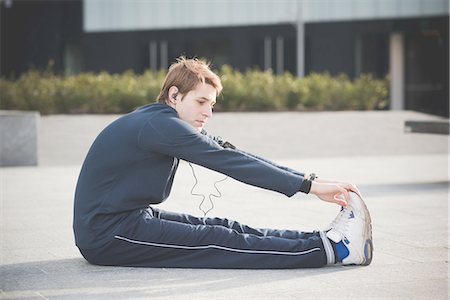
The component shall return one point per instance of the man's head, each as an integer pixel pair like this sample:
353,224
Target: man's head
191,88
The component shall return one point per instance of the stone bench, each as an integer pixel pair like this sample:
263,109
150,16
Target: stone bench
434,127
18,138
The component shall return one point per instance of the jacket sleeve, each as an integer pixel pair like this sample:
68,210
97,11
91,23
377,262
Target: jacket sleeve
222,142
169,135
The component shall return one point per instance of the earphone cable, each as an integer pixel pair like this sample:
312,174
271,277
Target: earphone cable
200,206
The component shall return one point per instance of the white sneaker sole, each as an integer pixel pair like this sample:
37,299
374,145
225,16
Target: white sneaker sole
367,248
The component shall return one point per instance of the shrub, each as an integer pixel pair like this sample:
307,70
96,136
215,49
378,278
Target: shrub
252,90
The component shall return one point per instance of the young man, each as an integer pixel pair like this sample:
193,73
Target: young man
131,166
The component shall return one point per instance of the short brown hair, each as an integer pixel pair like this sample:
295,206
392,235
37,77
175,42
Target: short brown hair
186,74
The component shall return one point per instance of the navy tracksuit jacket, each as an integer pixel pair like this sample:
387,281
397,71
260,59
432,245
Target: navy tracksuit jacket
131,166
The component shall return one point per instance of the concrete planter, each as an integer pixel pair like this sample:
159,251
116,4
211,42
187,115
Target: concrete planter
18,138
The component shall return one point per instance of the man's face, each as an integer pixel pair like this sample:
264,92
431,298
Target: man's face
196,106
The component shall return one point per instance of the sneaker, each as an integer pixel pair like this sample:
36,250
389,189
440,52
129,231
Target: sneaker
352,233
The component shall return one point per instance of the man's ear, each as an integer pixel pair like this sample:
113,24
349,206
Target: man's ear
173,93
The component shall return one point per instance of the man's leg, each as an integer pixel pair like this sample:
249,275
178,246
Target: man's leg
152,241
231,224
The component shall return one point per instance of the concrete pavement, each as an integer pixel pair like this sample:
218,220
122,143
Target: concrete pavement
403,177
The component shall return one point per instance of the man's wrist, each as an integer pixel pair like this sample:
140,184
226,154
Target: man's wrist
313,188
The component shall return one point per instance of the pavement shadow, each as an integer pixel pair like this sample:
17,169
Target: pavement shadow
77,279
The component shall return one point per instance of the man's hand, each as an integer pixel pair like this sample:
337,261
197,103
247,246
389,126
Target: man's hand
333,191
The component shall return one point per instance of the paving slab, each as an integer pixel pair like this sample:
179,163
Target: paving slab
406,188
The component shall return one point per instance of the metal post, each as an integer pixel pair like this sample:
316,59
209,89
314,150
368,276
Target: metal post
396,71
267,53
153,55
300,41
280,54
163,55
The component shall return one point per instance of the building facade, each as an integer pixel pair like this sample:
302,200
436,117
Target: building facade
405,40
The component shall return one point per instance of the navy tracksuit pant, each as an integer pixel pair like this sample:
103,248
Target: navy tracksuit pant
156,238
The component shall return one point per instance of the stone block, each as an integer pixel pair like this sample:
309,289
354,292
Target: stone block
18,138
434,127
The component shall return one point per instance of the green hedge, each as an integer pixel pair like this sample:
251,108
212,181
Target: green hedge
252,90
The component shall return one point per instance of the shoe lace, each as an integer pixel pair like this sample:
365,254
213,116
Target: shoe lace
337,219
340,223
